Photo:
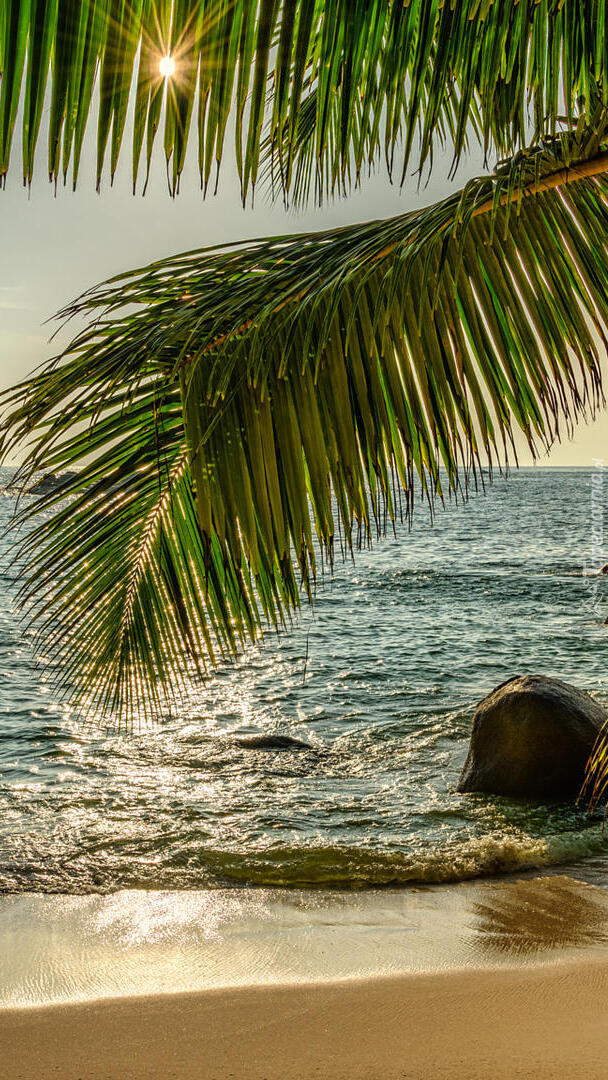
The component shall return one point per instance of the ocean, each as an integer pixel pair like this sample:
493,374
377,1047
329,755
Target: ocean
380,678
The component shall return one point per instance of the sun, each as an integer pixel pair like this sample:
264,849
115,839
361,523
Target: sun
167,66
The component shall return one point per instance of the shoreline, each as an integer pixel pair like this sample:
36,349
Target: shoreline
65,949
504,980
546,1020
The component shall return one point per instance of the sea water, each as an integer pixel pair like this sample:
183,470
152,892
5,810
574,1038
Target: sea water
380,678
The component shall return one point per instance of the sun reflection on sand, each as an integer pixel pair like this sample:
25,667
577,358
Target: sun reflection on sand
131,918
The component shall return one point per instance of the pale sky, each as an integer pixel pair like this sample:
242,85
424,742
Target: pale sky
55,247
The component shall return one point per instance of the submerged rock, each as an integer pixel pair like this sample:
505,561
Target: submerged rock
532,736
271,742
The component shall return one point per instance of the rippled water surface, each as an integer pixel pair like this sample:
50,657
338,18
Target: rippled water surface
400,648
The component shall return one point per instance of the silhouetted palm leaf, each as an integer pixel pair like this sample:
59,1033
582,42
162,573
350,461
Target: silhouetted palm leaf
365,77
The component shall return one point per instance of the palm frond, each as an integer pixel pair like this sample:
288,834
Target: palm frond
117,575
594,792
367,79
239,412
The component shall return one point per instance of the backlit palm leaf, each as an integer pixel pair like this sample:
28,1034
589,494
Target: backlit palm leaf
366,78
239,412
595,789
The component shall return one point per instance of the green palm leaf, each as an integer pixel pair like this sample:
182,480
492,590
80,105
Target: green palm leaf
239,413
595,788
363,79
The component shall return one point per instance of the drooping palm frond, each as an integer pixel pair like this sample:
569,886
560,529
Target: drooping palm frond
239,411
368,75
124,576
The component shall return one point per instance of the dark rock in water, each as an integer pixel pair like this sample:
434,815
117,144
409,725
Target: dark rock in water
50,482
532,736
271,742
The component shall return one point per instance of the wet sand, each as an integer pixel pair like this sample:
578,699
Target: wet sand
56,949
504,979
548,1022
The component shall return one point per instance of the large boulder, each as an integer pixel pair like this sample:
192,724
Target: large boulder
532,737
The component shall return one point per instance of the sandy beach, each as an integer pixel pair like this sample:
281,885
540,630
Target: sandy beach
502,979
547,1022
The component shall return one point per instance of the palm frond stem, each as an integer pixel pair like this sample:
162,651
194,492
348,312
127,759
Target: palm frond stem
569,174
